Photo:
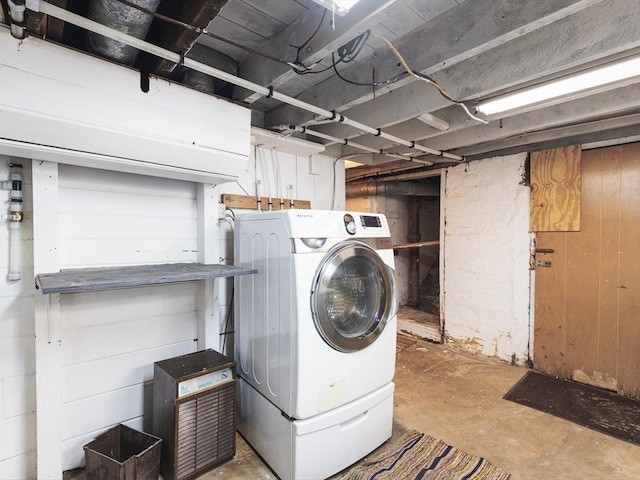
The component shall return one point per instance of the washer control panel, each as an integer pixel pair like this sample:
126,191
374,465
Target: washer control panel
363,224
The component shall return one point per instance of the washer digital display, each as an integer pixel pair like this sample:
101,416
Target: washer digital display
370,221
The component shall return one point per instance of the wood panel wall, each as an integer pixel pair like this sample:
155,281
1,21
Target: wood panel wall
556,190
587,306
111,339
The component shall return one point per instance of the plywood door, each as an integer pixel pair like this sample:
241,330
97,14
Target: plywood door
587,298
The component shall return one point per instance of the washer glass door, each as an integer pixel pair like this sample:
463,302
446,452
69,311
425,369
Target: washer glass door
353,296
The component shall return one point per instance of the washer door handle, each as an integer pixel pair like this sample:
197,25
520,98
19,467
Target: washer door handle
394,292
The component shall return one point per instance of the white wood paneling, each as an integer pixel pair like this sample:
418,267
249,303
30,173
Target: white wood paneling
169,131
18,436
90,378
111,218
110,339
19,395
101,411
21,466
208,253
14,311
95,309
17,356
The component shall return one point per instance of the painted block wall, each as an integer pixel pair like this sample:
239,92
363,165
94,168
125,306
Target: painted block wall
486,257
17,348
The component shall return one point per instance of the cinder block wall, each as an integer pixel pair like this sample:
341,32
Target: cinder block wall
486,257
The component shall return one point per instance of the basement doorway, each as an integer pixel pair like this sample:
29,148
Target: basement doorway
414,214
419,312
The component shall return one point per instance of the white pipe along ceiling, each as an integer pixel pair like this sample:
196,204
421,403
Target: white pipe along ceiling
100,29
391,79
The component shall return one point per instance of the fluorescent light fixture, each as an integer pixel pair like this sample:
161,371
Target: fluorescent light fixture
579,82
341,7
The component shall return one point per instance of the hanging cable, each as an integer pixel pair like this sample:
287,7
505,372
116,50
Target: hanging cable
297,64
428,79
364,84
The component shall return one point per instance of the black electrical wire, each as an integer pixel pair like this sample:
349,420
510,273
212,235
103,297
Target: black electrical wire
311,72
297,63
365,84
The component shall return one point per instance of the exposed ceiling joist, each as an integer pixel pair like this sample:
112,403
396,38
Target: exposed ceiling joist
461,134
585,133
268,73
454,37
614,28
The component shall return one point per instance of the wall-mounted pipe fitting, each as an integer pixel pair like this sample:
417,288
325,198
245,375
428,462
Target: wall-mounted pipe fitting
18,21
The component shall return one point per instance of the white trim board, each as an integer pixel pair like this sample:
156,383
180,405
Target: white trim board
74,108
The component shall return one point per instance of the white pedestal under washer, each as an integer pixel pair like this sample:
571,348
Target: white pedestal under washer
315,329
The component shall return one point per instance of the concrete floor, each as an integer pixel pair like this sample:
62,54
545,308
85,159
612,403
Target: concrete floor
457,397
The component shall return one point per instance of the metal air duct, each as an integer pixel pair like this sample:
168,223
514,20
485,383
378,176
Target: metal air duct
123,18
373,187
201,81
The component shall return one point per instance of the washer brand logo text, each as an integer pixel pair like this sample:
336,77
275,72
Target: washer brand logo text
304,215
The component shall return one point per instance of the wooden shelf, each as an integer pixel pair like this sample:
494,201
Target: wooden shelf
108,278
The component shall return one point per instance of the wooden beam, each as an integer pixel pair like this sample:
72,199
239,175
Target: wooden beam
263,71
465,133
584,110
250,202
175,38
454,37
55,26
434,121
385,168
44,26
614,28
583,133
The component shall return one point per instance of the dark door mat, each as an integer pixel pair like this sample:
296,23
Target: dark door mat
591,407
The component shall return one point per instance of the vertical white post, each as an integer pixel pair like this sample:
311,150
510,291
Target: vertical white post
441,247
208,290
47,322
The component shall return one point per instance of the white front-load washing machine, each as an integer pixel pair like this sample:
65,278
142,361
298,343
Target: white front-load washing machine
315,334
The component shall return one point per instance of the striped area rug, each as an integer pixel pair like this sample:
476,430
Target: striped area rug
421,457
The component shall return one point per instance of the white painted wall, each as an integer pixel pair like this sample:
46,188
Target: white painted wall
486,257
110,339
17,348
